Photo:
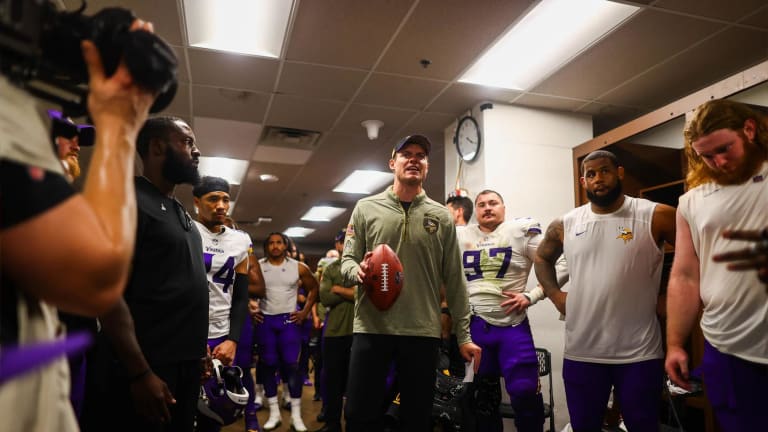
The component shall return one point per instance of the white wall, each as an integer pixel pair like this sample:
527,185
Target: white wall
526,156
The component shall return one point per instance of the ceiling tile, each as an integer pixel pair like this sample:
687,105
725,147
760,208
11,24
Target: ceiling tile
234,71
393,120
724,10
549,102
303,113
239,105
319,81
164,15
226,138
182,72
650,37
438,30
759,19
460,97
703,65
398,91
430,123
348,33
180,103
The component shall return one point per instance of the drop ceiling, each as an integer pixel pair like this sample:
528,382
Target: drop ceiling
346,61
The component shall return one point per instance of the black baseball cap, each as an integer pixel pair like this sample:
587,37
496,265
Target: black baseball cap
64,127
340,236
413,139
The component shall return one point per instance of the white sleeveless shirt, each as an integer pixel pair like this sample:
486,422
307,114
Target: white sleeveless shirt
735,319
282,285
615,272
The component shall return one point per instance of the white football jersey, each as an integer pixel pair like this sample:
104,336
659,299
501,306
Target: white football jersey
282,284
498,261
223,251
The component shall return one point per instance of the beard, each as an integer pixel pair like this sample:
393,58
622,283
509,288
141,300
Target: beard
609,198
72,166
751,162
178,171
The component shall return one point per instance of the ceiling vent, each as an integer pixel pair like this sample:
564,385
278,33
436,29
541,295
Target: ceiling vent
289,138
285,146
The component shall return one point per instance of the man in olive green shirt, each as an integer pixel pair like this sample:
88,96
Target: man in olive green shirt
338,298
407,335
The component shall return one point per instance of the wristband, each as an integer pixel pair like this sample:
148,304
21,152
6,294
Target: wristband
140,375
446,311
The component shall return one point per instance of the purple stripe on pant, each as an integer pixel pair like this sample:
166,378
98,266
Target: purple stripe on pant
736,388
509,352
279,347
637,386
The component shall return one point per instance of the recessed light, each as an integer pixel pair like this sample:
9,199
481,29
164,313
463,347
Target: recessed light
231,170
268,178
364,182
298,231
322,213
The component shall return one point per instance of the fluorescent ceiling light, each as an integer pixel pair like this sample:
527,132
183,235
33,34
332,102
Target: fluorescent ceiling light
254,27
322,213
298,231
232,170
364,182
549,36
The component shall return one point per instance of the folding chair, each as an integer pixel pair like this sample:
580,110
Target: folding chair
545,369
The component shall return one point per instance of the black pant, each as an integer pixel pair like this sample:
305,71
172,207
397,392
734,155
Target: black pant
109,406
336,352
414,359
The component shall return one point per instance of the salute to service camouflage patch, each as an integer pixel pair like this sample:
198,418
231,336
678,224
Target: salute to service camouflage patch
431,223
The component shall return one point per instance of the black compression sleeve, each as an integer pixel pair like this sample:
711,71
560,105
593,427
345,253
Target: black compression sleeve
239,310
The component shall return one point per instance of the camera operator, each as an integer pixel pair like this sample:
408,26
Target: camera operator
61,249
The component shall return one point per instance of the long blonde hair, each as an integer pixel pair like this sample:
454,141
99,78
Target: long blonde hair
714,115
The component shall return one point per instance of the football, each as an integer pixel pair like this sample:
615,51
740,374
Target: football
384,279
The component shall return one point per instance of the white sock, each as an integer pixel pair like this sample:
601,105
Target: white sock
258,396
274,414
298,423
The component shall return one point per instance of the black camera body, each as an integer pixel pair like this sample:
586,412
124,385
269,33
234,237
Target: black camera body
40,51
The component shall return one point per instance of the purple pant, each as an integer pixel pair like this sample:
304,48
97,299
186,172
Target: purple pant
279,347
509,352
637,386
736,390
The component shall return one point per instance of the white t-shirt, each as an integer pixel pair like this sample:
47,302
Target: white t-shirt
615,272
222,252
37,401
496,262
735,319
282,285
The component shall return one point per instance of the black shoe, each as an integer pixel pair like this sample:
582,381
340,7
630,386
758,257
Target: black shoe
316,397
329,428
321,417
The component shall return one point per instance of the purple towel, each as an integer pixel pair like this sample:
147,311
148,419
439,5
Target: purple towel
21,359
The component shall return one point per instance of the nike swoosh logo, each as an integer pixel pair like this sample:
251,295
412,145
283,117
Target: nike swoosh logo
580,233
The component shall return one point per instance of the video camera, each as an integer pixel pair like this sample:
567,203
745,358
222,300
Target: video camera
40,51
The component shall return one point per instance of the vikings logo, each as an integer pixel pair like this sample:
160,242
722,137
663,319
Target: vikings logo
625,234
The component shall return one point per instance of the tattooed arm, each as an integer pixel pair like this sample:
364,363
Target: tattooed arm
549,251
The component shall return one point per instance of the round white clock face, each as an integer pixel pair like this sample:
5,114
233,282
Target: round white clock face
468,138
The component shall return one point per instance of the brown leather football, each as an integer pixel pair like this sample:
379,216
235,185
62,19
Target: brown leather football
384,279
